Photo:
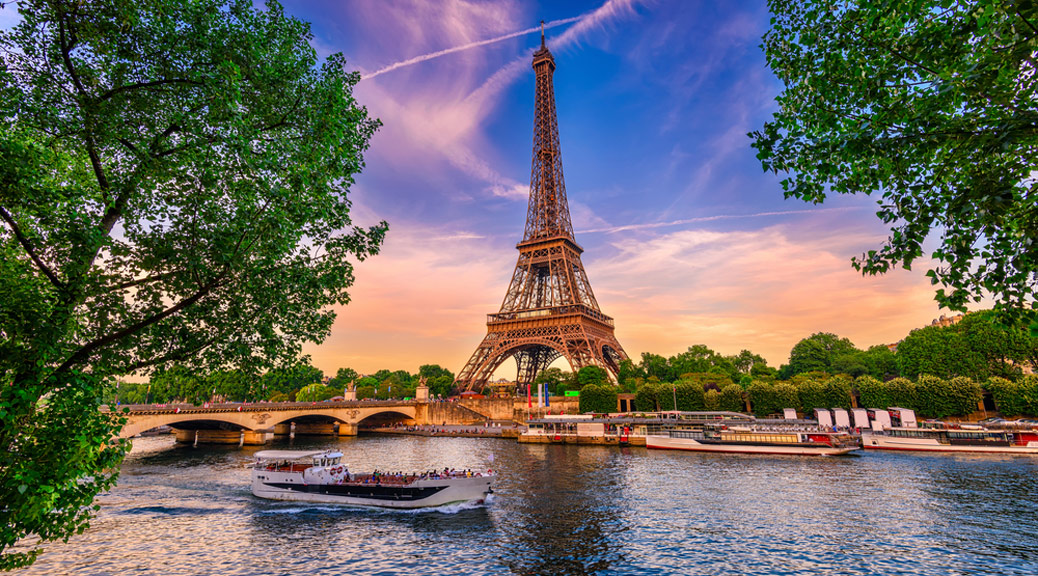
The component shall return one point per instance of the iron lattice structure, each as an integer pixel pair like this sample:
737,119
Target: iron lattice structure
549,310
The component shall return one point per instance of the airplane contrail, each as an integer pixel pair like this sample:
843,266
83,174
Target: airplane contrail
432,55
650,225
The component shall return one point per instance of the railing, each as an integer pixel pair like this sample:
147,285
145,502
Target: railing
548,312
175,408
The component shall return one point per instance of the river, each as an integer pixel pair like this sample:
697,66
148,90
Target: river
179,510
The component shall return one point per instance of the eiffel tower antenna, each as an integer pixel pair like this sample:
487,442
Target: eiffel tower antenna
549,310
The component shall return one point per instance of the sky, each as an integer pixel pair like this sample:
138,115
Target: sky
687,241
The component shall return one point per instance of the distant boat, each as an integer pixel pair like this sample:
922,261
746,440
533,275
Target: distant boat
319,476
942,438
755,440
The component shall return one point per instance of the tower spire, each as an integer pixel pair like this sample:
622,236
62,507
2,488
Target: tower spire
549,310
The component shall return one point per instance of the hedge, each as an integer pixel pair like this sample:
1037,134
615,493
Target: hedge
731,398
1012,399
598,398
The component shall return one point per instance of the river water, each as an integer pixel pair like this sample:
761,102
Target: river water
179,510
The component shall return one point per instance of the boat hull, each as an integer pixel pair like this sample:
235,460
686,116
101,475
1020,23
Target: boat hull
882,442
691,445
419,494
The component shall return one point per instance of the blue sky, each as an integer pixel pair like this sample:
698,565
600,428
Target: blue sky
686,240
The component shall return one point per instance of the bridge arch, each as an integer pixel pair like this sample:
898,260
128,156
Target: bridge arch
263,417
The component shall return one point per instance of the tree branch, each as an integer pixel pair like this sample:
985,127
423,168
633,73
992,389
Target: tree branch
89,348
140,85
179,354
27,246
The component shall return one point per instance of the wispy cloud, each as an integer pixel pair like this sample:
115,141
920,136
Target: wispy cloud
469,46
714,218
446,119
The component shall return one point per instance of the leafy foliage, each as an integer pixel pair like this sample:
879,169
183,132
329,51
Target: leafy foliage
689,396
929,105
598,398
979,346
173,185
902,393
838,392
811,394
732,399
317,393
939,398
45,493
763,399
873,393
818,352
1018,398
591,375
652,397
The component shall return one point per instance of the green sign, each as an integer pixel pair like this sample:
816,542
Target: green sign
572,393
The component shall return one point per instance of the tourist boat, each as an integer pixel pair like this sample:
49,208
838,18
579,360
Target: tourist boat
320,476
967,438
747,440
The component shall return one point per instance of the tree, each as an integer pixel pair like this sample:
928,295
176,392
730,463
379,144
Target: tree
928,104
938,398
838,392
689,395
630,374
316,393
439,380
745,362
652,397
902,393
173,185
1015,398
591,375
343,378
817,353
656,366
733,400
698,358
763,399
811,394
873,393
880,362
598,398
978,346
233,385
290,379
553,377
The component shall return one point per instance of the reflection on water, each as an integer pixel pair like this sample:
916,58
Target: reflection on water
570,510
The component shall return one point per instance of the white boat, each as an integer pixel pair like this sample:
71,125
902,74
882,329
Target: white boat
944,439
320,476
746,440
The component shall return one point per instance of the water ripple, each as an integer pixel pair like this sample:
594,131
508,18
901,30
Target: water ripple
571,511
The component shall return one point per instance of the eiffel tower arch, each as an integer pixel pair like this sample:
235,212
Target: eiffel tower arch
549,310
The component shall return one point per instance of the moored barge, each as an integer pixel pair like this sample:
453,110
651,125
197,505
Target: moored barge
747,440
948,439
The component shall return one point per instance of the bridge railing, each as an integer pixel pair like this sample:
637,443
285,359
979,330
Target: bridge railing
251,406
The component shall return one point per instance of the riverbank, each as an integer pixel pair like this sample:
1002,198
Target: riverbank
451,431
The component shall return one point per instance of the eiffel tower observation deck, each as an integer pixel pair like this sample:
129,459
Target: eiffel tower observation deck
549,310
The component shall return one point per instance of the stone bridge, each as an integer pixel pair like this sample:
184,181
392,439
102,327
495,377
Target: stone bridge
233,423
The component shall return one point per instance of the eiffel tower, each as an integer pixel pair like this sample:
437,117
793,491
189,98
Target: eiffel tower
549,310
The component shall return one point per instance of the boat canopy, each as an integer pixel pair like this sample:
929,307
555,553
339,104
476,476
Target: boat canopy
294,454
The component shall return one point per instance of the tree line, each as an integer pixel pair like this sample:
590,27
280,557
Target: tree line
299,382
938,371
